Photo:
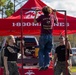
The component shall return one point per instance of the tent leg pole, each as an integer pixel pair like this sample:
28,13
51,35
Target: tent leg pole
22,72
65,21
66,43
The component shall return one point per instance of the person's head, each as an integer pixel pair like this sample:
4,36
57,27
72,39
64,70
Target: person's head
10,39
47,10
61,39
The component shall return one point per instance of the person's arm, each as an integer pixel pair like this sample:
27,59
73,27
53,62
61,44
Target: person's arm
6,65
70,58
22,46
70,62
55,57
70,53
5,58
35,17
54,60
68,45
22,52
55,17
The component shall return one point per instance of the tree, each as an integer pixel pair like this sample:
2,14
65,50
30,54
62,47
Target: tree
8,6
9,9
2,3
11,6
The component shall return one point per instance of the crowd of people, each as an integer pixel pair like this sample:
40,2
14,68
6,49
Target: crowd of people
48,19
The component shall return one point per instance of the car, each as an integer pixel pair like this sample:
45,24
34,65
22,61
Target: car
73,58
0,56
30,44
31,47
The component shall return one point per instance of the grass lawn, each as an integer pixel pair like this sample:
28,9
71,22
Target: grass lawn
73,69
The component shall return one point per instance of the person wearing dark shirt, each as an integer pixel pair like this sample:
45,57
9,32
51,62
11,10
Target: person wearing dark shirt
60,57
10,56
47,20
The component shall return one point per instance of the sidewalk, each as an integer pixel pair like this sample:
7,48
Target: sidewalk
73,73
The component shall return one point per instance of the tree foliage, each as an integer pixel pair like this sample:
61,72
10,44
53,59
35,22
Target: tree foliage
9,9
8,6
2,2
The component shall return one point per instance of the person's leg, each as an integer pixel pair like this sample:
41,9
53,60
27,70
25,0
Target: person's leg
46,58
10,68
48,48
57,69
64,71
15,72
69,66
42,42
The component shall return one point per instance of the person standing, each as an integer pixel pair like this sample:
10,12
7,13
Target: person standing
60,57
10,56
47,20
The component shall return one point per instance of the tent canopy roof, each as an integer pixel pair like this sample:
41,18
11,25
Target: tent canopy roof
12,24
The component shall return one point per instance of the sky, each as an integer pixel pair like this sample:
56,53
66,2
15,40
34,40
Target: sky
68,5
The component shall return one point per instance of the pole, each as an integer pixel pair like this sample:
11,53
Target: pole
66,43
14,6
2,12
65,21
22,73
21,42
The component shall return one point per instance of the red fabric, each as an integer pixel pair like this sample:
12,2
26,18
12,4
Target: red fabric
36,72
12,24
32,71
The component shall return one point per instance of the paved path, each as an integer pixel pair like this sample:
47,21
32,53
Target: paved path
73,73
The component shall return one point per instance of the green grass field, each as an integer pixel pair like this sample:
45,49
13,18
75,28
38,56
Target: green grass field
73,69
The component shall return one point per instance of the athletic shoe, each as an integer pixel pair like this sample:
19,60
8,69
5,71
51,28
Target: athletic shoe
41,68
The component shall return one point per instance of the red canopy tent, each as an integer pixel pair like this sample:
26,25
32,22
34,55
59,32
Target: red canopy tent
12,24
